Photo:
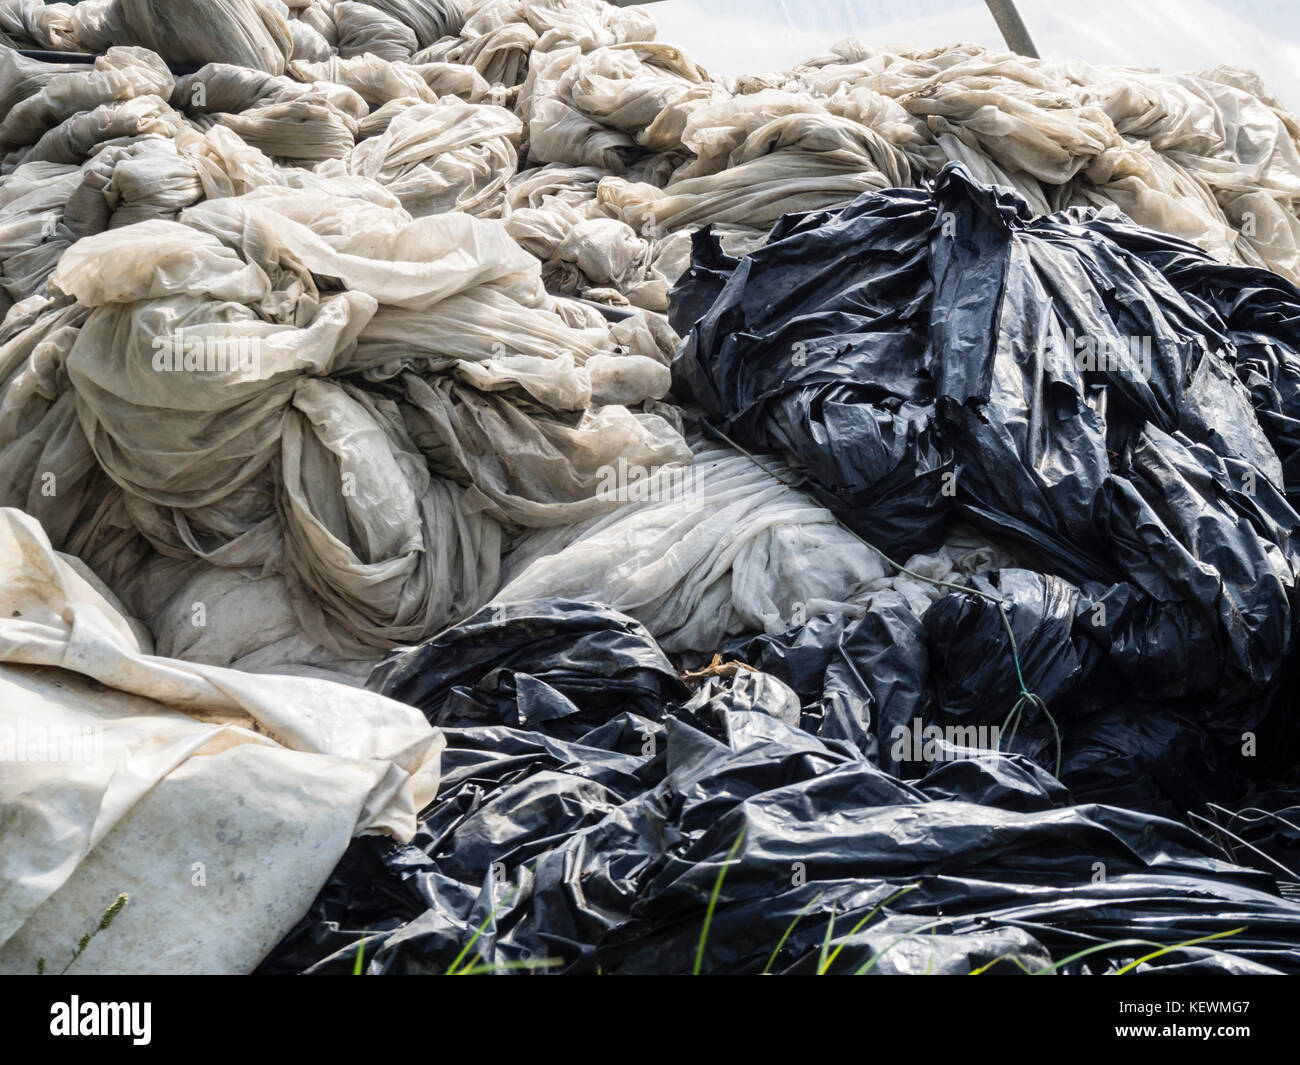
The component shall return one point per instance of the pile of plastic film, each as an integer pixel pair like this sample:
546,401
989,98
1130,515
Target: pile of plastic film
640,520
1035,754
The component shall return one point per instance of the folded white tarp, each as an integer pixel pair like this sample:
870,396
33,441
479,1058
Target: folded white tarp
218,801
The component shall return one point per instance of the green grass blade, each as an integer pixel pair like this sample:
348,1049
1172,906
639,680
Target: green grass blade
823,961
1177,946
713,902
854,930
1002,957
479,931
474,962
789,928
1049,969
906,935
1160,949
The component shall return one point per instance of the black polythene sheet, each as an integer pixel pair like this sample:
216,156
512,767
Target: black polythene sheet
587,833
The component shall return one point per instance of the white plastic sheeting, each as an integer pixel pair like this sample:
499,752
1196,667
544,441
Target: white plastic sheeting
723,549
743,36
217,800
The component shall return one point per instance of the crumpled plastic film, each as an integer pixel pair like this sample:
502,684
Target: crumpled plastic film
169,746
590,798
504,337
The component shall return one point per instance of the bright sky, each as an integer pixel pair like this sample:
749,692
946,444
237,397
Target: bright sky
751,36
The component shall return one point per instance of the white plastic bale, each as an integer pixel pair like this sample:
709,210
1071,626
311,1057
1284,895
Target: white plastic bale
365,30
381,551
716,549
120,74
443,157
306,128
386,552
308,42
249,33
428,20
723,548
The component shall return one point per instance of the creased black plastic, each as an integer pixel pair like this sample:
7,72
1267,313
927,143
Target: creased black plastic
1111,405
598,852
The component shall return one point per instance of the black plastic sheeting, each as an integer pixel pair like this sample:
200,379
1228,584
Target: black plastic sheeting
589,800
921,359
1116,408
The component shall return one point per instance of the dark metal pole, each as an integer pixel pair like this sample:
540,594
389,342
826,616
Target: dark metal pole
1012,26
